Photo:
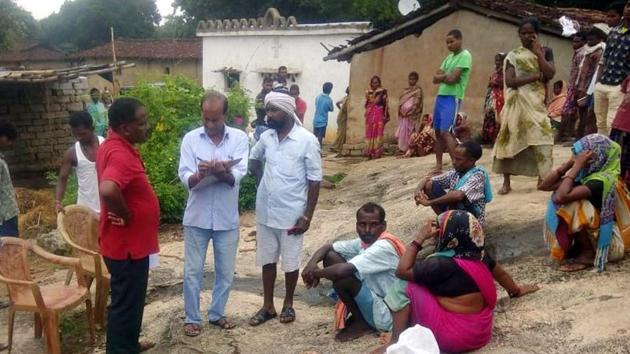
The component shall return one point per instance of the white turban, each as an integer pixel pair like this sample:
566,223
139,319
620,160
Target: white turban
283,102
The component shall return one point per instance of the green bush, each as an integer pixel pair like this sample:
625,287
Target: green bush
336,178
239,107
72,188
247,195
173,110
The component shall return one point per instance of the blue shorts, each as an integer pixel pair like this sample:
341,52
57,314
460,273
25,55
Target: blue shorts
445,111
10,227
319,132
365,302
590,101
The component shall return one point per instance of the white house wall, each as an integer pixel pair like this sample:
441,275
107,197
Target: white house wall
251,53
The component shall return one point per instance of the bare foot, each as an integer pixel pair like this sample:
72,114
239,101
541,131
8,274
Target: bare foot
145,345
505,190
436,170
527,289
353,332
380,350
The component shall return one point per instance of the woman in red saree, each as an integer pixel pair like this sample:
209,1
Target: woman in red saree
376,115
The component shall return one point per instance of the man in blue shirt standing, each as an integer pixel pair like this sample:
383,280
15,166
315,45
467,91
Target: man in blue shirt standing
323,105
213,161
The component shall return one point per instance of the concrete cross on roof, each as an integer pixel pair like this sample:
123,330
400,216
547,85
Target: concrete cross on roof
276,48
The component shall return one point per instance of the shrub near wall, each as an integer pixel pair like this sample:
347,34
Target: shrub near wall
173,110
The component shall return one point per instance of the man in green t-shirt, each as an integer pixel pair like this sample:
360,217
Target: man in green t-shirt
452,78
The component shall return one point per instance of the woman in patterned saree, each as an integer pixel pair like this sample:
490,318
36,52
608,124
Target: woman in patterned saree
588,217
494,102
525,141
409,112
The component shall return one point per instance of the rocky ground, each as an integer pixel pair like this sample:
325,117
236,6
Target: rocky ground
572,313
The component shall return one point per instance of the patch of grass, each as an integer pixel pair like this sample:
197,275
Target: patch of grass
75,336
336,178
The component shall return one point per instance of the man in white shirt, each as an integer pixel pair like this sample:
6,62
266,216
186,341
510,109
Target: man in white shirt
81,156
212,163
362,271
286,199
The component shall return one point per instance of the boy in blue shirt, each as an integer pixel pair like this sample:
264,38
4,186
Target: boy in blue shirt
323,105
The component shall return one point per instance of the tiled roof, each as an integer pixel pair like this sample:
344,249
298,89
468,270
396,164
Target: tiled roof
64,74
31,51
434,10
146,49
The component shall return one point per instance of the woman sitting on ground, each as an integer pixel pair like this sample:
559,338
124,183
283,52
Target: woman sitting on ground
452,291
461,130
422,142
588,216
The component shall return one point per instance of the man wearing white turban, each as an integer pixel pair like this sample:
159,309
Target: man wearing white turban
288,190
283,102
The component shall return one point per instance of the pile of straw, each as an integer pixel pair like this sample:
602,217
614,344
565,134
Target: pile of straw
37,211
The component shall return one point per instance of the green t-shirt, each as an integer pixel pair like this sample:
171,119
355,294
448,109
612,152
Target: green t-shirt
462,60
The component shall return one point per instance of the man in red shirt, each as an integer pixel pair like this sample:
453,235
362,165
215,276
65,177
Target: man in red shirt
129,222
300,104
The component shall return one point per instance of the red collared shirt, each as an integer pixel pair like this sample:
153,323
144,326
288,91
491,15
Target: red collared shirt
119,161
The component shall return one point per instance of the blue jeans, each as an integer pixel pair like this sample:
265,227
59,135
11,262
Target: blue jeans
225,245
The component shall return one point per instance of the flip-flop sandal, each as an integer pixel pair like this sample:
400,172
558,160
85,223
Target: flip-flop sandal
287,315
223,323
261,317
573,267
192,329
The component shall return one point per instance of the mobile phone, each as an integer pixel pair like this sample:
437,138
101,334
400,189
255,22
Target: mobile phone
292,231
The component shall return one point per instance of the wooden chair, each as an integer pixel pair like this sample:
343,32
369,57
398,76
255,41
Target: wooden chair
47,302
79,228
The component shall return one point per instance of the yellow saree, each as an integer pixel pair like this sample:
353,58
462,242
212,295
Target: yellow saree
525,141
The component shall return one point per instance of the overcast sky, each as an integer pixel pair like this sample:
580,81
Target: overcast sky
42,8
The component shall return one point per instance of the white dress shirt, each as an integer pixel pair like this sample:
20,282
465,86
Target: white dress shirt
289,166
213,207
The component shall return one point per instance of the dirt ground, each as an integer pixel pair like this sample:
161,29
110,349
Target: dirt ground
572,313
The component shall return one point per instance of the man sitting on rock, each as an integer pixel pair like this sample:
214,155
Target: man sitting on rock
362,270
465,187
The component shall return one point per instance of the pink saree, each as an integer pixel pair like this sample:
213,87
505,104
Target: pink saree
456,332
409,112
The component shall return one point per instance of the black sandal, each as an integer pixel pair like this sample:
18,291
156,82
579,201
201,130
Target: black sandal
287,315
261,317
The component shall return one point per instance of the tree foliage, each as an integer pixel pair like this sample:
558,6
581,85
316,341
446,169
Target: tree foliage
173,110
16,24
379,12
83,24
306,11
